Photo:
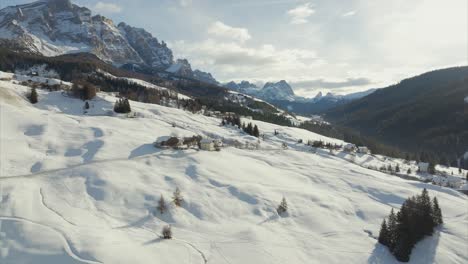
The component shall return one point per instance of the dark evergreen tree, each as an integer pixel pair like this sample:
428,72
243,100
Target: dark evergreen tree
392,229
436,212
33,98
161,205
403,245
397,168
424,214
384,235
177,197
167,232
409,171
416,219
282,207
255,132
122,106
431,168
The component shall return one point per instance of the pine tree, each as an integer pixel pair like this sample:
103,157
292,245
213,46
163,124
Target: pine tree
167,232
33,96
392,227
384,235
127,107
177,198
283,207
425,210
409,171
161,205
403,243
431,168
436,212
397,169
256,132
249,129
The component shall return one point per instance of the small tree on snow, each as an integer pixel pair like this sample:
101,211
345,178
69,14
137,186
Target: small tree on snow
177,198
162,205
282,207
33,96
167,232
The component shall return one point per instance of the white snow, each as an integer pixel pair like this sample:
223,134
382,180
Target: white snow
80,188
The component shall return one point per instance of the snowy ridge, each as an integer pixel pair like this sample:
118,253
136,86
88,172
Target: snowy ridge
284,92
77,188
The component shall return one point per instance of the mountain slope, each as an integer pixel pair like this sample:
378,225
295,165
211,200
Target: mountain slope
425,112
83,189
55,27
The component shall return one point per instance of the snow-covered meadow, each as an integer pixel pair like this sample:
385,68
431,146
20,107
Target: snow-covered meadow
80,188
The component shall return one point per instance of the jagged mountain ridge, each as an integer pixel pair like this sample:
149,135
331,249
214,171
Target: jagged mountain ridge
281,94
55,27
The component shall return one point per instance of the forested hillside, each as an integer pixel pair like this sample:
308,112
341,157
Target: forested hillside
424,114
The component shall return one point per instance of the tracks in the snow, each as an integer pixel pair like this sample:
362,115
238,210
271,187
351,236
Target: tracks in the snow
68,246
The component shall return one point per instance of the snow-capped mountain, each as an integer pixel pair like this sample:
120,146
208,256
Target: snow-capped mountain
278,91
271,91
183,68
282,95
55,27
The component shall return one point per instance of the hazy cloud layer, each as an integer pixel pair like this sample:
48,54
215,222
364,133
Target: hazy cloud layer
222,30
300,14
107,8
328,84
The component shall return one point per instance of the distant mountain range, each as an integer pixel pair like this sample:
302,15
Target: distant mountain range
424,113
282,95
56,27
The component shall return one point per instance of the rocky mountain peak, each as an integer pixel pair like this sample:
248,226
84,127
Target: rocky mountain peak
62,5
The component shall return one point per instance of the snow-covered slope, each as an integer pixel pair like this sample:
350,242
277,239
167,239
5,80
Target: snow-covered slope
80,188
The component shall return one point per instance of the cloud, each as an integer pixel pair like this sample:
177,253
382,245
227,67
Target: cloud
235,60
350,13
321,83
299,14
108,8
219,29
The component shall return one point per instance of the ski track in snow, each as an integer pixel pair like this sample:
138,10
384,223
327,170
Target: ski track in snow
68,247
52,210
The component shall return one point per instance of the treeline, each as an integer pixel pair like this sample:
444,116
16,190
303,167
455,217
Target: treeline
351,136
417,218
236,121
219,104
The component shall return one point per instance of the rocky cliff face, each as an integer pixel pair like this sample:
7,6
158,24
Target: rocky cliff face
55,27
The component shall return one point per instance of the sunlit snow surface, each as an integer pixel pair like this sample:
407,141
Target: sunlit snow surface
83,189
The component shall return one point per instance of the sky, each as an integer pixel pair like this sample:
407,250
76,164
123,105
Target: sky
318,45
